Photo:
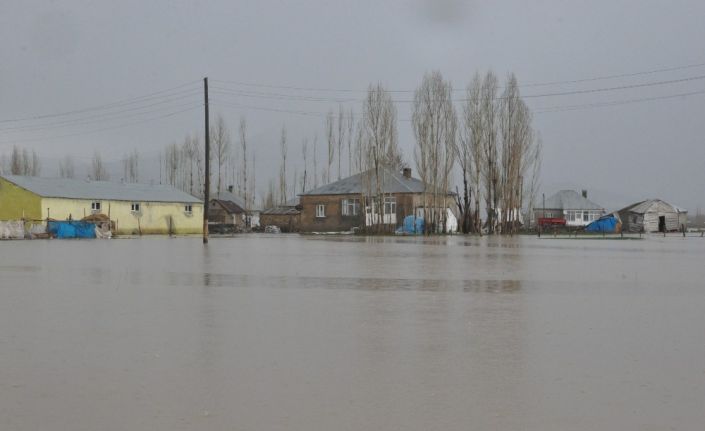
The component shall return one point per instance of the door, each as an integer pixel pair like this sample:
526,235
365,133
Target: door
662,224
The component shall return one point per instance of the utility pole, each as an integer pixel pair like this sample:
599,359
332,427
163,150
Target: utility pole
207,188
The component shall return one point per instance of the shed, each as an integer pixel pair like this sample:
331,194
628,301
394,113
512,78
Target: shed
287,217
653,215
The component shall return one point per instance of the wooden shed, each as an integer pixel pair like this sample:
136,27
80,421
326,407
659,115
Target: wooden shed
653,215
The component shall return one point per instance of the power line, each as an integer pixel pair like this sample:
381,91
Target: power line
281,96
534,84
623,75
565,108
119,103
109,116
171,114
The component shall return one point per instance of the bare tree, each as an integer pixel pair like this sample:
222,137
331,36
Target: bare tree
350,130
304,154
340,139
379,134
489,108
243,145
330,138
435,127
282,169
315,161
220,143
469,157
36,165
98,171
4,164
130,167
66,167
519,154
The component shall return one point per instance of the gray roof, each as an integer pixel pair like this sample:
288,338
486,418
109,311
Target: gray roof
569,200
83,189
231,197
392,182
645,206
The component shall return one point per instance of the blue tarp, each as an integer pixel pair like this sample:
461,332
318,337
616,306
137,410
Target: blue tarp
412,225
71,229
605,224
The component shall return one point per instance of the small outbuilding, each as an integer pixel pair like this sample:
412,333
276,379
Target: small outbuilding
653,215
287,217
227,208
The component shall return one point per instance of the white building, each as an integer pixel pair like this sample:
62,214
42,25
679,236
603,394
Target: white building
573,207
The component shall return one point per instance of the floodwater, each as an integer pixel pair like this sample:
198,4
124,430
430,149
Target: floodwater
348,333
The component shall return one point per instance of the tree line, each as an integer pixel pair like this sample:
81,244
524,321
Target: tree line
484,139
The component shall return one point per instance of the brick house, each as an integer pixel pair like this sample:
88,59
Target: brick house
343,205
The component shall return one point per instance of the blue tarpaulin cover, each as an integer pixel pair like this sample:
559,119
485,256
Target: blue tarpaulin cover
412,225
606,224
71,229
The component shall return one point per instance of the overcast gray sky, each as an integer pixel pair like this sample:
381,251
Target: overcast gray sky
70,55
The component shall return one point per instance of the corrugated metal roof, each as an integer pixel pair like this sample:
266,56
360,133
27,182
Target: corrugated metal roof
570,200
645,206
392,182
104,190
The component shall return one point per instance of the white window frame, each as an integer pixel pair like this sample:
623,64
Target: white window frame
135,207
96,206
350,207
320,211
586,216
188,209
390,205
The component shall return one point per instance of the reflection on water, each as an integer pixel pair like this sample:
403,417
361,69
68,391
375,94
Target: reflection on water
286,332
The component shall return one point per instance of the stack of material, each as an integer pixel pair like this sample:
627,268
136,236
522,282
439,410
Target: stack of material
12,229
103,225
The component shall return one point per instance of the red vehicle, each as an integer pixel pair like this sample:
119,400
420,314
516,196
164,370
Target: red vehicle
551,221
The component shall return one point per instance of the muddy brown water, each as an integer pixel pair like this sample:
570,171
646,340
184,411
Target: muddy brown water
347,333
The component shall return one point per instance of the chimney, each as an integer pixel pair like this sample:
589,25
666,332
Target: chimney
585,193
230,189
407,172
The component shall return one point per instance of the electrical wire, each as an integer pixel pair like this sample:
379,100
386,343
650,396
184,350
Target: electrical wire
146,120
100,117
123,102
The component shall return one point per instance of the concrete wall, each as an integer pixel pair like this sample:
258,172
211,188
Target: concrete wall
16,203
153,217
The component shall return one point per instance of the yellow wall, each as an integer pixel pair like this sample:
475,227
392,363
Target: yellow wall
16,202
153,216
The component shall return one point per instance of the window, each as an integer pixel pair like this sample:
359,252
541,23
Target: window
95,206
350,207
188,208
571,215
586,216
320,210
390,205
135,207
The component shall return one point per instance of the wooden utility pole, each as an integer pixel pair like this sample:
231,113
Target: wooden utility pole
207,188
